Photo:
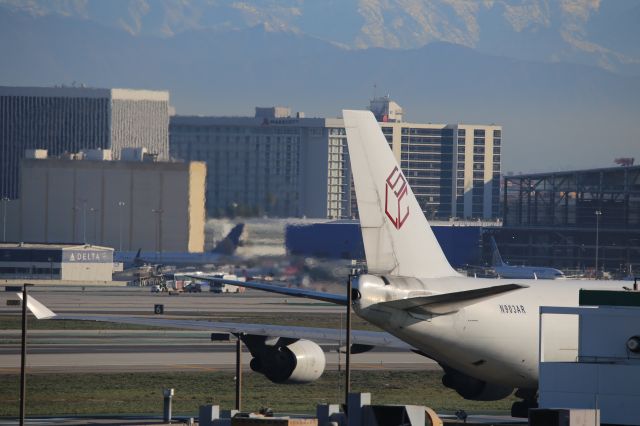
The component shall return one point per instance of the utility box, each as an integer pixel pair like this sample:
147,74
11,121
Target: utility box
272,421
207,414
327,413
397,415
564,417
356,402
602,373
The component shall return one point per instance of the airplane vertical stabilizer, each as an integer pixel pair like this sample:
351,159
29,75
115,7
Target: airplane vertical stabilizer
229,244
496,258
397,237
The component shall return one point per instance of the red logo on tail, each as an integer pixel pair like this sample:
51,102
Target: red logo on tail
395,179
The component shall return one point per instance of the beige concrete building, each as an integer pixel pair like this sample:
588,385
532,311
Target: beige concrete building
154,206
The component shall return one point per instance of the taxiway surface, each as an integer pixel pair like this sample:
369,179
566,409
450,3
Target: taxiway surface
65,350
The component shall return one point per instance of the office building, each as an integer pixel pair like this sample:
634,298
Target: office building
285,165
453,169
342,239
273,164
69,119
128,205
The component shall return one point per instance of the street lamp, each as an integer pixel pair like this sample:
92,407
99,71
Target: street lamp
598,213
158,213
5,200
94,210
121,205
84,220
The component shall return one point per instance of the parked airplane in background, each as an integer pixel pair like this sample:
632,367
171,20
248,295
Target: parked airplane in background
505,270
483,332
223,251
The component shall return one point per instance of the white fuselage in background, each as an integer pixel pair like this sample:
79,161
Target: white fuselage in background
527,272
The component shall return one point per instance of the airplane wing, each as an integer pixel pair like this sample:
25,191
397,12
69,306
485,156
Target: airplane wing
358,337
447,303
296,292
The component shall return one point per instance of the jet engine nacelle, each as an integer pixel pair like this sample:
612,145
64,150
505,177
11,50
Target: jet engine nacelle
473,389
302,361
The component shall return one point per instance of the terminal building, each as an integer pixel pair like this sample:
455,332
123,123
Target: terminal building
69,119
129,204
572,220
461,241
286,165
59,262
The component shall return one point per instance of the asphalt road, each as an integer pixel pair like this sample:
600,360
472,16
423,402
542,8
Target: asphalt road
135,300
159,350
82,351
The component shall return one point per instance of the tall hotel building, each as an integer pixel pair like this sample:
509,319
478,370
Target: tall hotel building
453,169
271,164
71,119
285,165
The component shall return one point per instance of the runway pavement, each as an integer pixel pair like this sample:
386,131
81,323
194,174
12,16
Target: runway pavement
136,300
117,350
160,350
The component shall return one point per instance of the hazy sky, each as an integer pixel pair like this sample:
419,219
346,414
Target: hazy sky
562,77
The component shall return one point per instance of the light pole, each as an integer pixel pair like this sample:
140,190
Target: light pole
84,220
121,205
158,213
94,210
5,200
598,213
23,356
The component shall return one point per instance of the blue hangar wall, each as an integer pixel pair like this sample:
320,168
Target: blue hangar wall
343,240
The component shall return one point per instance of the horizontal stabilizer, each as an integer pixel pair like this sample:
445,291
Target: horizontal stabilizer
38,309
295,292
447,303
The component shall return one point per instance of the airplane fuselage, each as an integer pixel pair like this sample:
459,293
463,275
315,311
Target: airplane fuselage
527,272
172,258
495,339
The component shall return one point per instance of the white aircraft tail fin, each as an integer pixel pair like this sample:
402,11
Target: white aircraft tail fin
397,237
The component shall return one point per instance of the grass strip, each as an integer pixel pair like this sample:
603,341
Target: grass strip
141,393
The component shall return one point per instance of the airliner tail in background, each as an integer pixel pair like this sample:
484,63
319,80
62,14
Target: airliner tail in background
505,270
230,243
223,251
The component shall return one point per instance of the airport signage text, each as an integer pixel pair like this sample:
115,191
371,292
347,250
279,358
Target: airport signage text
87,256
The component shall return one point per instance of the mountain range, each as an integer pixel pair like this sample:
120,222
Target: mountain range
561,77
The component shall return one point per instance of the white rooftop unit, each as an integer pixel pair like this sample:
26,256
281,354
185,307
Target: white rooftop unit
273,112
386,110
133,154
36,153
97,154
